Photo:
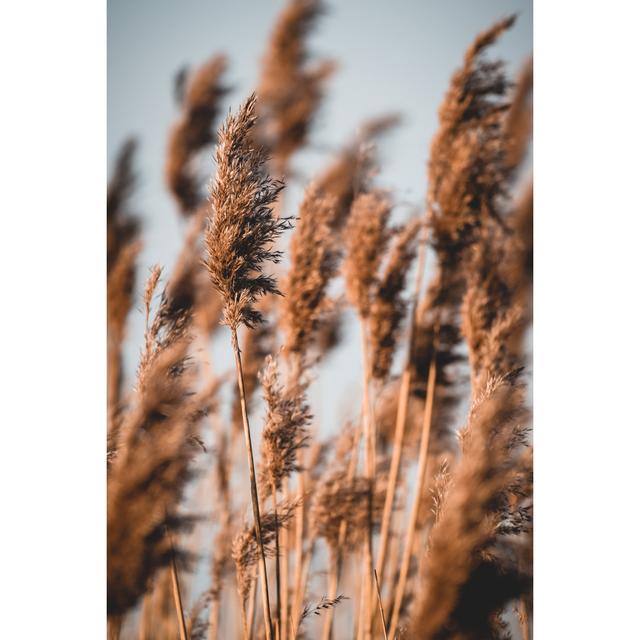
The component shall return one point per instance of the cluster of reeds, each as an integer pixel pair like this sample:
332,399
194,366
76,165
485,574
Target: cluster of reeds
413,521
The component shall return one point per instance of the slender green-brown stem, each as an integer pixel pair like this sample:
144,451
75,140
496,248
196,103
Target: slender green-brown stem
332,590
274,497
266,607
306,564
298,589
380,608
284,578
245,621
413,518
251,607
342,534
401,416
177,598
370,471
214,619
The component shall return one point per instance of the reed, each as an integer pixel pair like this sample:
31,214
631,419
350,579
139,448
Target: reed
239,242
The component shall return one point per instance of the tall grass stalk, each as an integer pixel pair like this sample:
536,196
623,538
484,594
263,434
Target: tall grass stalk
255,503
401,416
413,518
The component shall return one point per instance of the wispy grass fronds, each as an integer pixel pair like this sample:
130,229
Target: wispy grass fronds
366,237
388,308
245,550
286,428
123,225
193,132
519,121
337,499
123,247
171,322
464,586
317,609
314,255
242,229
468,171
120,291
148,475
351,169
291,88
490,313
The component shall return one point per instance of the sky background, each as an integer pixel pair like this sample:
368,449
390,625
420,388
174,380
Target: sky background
392,57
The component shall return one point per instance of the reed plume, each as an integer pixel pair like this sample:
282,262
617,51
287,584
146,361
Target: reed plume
285,433
314,255
148,475
366,236
388,308
519,121
242,228
123,225
468,171
247,550
123,248
239,239
290,88
286,427
348,172
201,95
490,315
464,586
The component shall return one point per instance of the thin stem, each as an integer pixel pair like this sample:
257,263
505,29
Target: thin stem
266,607
422,469
298,593
306,564
245,623
177,598
401,415
284,583
384,623
369,466
332,590
214,618
252,602
342,534
274,497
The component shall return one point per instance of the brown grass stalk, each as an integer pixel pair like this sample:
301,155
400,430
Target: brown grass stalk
401,414
177,597
413,517
266,607
284,581
239,241
380,607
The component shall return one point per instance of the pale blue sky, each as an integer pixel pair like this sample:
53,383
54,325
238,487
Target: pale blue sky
392,56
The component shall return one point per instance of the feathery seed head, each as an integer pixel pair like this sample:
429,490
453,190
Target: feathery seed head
286,426
242,229
366,237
